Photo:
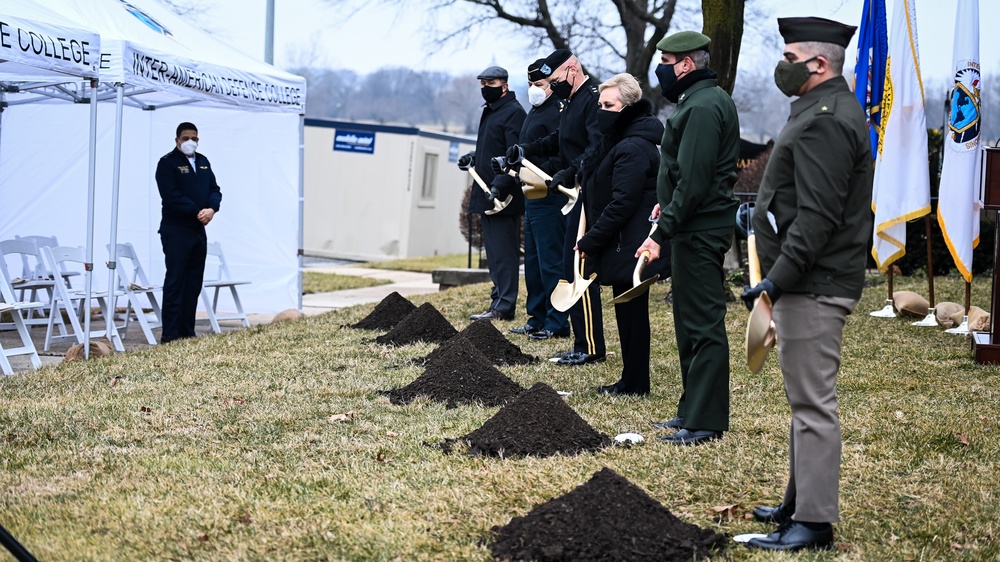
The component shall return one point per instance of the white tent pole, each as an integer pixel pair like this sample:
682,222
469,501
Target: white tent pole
269,33
91,188
302,152
116,180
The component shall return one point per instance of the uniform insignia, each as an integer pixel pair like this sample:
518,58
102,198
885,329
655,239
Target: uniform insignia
823,108
184,169
202,167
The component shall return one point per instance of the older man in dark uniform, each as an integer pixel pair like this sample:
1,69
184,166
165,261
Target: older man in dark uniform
499,127
544,224
577,137
812,220
190,198
697,215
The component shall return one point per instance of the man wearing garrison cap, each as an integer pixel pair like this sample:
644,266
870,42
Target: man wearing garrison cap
812,220
544,224
696,216
576,139
498,128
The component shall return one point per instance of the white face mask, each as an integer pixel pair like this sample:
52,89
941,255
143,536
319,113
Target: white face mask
536,95
188,147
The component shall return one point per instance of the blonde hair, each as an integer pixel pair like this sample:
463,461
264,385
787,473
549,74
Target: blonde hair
629,90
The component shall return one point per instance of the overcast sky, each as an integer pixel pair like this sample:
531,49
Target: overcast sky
376,37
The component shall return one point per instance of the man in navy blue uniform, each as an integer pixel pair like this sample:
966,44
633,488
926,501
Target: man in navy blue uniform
499,127
544,224
190,197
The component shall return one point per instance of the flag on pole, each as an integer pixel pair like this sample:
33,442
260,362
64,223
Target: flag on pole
958,199
902,187
869,69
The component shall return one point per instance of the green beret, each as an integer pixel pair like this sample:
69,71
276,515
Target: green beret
684,42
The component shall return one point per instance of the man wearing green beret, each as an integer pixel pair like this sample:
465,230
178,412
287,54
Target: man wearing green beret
697,215
812,222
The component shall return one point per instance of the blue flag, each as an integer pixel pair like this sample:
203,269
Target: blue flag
869,72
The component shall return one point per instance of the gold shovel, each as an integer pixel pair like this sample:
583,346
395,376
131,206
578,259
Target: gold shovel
761,335
566,293
497,205
572,194
638,287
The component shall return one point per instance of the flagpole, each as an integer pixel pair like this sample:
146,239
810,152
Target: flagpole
931,318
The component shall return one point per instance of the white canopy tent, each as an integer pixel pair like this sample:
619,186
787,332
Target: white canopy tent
153,60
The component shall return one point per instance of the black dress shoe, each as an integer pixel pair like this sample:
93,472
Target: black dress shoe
676,422
619,389
527,330
546,335
493,314
796,535
580,358
777,515
691,437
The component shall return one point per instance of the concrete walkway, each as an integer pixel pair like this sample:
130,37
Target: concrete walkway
406,283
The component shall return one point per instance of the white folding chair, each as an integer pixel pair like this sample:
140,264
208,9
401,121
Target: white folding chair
67,299
13,309
221,280
41,271
30,283
133,283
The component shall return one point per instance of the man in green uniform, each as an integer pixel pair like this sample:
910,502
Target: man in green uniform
697,214
812,221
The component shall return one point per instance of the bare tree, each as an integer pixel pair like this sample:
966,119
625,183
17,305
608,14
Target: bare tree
604,33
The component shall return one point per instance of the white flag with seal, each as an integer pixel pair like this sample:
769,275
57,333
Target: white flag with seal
902,189
959,201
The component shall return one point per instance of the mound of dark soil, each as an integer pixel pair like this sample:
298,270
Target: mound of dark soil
537,423
608,518
485,336
460,374
423,324
393,309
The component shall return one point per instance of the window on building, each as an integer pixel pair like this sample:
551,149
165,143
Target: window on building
428,188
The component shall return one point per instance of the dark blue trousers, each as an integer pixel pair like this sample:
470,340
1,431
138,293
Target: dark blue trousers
544,236
184,251
585,315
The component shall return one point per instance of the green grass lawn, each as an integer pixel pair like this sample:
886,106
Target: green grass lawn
223,448
426,264
318,282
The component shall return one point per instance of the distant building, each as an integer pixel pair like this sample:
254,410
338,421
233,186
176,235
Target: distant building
375,192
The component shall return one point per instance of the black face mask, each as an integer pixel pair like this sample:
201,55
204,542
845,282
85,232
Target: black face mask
562,88
665,74
491,93
606,120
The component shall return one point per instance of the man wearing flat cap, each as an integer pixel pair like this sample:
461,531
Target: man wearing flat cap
812,220
576,139
697,217
544,224
499,127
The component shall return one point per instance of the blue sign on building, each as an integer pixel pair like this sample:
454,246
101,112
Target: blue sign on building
453,152
354,141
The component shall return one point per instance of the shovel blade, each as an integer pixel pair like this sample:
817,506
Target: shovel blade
636,291
500,205
565,294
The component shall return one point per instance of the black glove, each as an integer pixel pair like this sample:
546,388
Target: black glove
565,177
751,294
495,188
515,154
466,161
499,165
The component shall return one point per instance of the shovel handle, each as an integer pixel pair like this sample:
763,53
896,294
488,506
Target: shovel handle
479,180
753,262
639,267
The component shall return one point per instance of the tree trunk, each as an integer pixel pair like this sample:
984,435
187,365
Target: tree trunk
723,22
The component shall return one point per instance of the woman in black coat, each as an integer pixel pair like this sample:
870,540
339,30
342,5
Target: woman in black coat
621,193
